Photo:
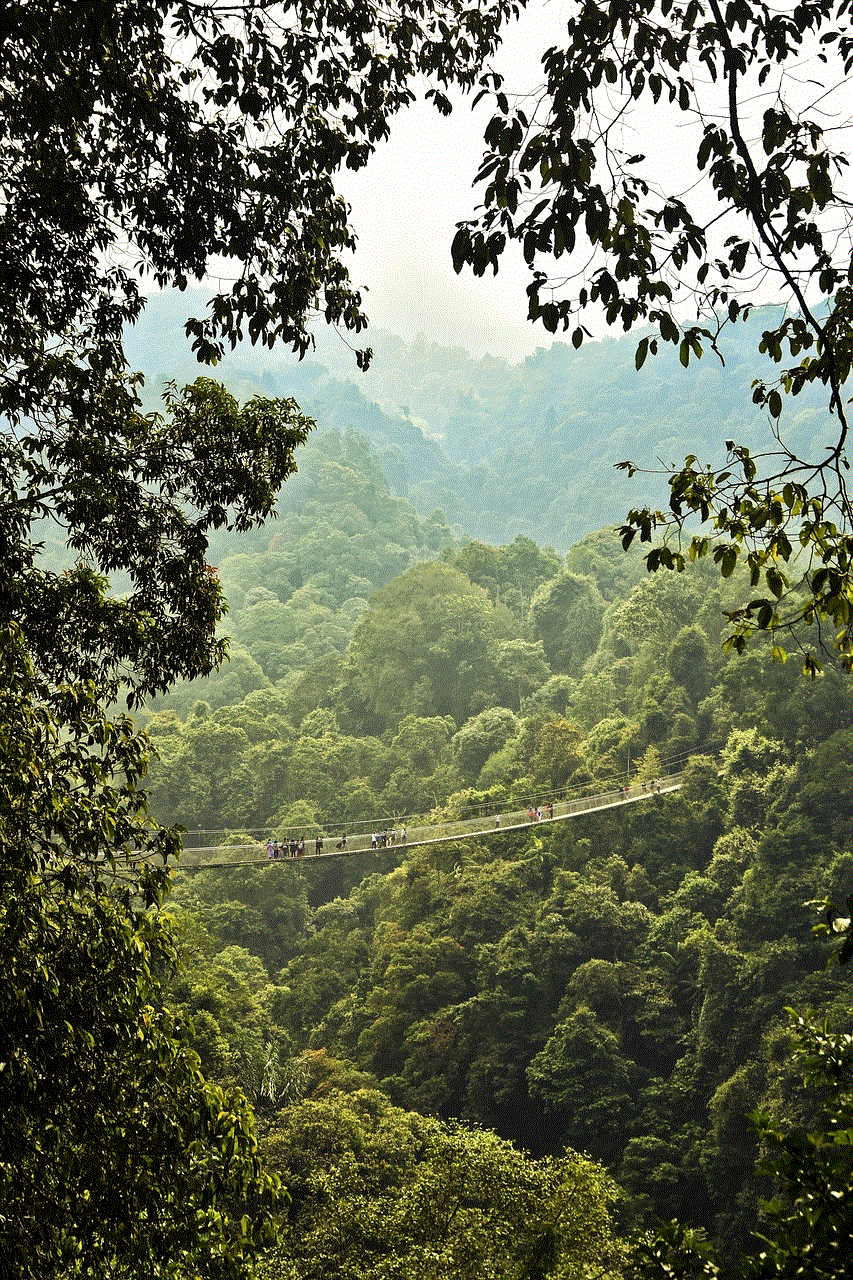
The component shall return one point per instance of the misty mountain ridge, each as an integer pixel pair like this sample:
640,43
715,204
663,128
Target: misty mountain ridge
505,448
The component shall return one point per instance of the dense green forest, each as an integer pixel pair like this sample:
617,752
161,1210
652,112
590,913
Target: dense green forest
580,1018
615,985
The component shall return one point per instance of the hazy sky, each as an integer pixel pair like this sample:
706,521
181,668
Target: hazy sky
406,204
418,186
407,201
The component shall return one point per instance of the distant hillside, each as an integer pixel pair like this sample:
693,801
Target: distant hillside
504,448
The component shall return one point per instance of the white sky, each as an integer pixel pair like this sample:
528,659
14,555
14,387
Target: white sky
408,199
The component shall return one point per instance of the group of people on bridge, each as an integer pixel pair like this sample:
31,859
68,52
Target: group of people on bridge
381,839
290,847
293,847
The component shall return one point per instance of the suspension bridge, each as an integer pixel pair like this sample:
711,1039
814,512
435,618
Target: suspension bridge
397,837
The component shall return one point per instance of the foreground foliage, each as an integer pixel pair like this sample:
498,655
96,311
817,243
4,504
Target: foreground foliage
116,1155
145,140
575,173
807,1222
807,1219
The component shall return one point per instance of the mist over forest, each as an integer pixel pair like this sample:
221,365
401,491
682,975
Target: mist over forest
505,449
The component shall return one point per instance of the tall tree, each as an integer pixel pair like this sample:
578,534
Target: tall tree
146,141
578,178
805,1227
